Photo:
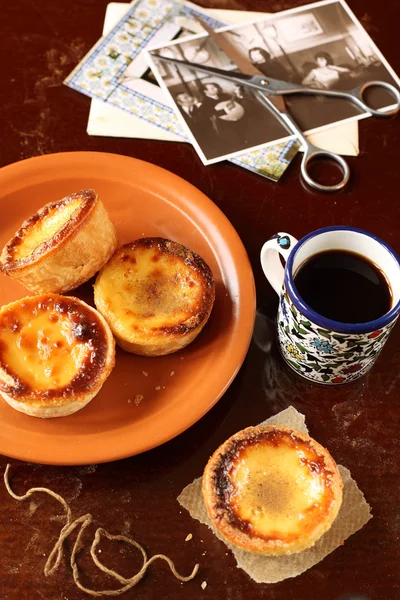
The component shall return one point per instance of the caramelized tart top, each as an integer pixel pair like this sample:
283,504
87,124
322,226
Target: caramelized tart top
156,286
271,487
52,346
47,229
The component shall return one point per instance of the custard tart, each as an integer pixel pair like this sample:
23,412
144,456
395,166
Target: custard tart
55,354
62,245
156,295
272,490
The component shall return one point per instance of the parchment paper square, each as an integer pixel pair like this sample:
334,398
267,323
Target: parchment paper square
353,515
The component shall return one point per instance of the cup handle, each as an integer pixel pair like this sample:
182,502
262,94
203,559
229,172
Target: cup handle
280,243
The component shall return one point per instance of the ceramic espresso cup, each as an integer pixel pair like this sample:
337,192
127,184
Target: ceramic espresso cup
316,347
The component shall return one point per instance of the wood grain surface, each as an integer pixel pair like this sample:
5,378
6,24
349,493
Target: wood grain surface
41,41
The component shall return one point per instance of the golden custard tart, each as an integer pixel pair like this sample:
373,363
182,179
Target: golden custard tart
62,245
55,354
272,490
156,295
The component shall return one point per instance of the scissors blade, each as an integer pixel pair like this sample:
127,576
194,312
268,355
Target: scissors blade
247,67
278,102
244,65
268,87
240,78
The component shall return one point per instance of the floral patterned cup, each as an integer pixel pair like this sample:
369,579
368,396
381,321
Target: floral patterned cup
318,348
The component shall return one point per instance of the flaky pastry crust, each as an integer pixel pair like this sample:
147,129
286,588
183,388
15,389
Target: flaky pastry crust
56,352
272,490
156,295
71,254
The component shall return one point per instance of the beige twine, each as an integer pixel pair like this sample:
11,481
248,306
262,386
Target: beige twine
84,521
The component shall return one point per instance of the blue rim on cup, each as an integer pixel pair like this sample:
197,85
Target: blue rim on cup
330,323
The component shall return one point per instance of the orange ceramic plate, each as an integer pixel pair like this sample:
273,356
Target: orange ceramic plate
177,390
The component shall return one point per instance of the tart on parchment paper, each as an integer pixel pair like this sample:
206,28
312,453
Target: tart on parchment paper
272,490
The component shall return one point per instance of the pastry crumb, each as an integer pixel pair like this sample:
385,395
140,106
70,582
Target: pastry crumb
138,399
145,373
182,357
204,553
204,585
172,373
158,388
188,537
129,400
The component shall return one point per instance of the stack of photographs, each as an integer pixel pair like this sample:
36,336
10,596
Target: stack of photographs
115,71
321,45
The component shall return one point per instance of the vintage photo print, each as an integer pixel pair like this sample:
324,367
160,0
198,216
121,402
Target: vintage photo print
116,72
137,76
321,45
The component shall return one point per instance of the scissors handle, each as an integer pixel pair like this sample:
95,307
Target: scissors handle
312,153
356,96
358,99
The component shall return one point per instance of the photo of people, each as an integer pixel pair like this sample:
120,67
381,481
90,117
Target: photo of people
223,118
321,46
268,66
324,74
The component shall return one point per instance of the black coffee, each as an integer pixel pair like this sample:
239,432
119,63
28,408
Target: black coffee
343,286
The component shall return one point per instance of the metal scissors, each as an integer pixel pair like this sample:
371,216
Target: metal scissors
271,92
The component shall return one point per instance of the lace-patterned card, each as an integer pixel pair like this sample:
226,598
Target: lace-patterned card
116,72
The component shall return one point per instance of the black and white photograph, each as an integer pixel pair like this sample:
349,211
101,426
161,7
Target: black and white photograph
321,46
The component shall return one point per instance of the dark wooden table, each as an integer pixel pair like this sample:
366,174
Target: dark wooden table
41,41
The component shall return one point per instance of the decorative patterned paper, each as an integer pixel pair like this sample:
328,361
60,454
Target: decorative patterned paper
99,74
271,162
